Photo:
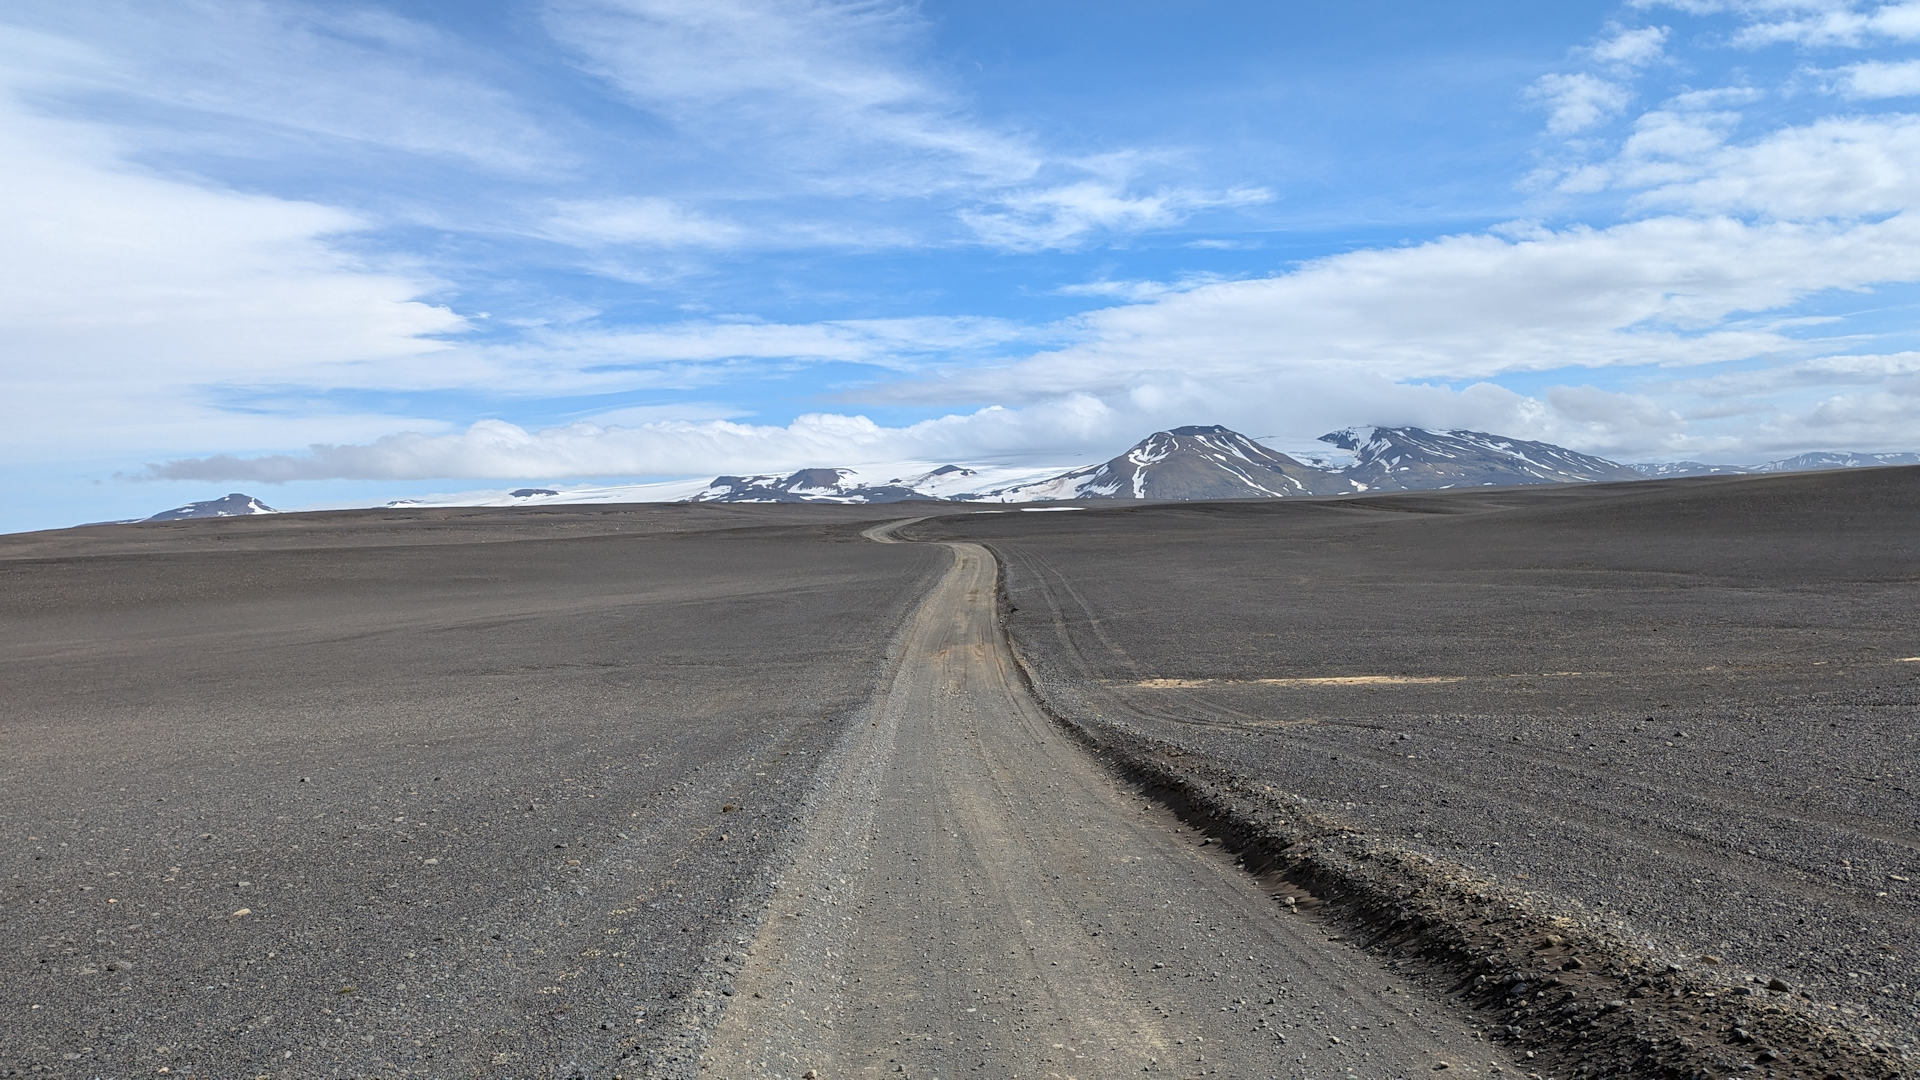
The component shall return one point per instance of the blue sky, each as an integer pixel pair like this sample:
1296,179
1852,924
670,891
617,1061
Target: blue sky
331,253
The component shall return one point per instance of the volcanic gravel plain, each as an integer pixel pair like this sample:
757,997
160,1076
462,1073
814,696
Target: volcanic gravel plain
1577,781
1676,723
423,793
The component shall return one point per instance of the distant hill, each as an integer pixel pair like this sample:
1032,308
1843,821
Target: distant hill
234,505
1842,460
807,485
1663,469
1814,462
1214,462
1184,463
1179,464
1415,459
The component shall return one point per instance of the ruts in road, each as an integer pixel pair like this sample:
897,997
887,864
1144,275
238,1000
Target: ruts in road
977,896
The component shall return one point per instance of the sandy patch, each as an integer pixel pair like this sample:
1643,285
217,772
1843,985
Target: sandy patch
1327,680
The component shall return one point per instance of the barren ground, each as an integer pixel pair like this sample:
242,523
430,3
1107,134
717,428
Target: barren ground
467,774
651,791
1690,710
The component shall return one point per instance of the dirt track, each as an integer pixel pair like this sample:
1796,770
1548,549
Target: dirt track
978,896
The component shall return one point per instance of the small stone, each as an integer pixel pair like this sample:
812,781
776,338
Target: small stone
1778,985
1742,1035
242,913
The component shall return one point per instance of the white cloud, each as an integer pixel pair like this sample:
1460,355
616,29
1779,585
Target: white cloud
497,449
1848,370
123,294
1333,342
1665,290
824,96
815,88
1630,49
1070,215
1875,79
1578,101
1843,25
1836,167
648,222
1609,422
1067,429
1137,290
276,69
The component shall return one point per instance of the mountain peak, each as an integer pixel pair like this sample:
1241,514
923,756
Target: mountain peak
1399,458
1200,461
234,504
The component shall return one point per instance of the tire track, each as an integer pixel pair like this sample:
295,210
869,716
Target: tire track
977,894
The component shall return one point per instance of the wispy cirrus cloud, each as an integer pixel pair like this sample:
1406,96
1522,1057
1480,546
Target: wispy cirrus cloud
1070,215
1807,23
638,220
240,79
824,98
816,90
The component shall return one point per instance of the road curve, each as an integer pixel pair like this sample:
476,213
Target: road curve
977,896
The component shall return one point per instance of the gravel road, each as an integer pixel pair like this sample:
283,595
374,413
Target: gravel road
978,896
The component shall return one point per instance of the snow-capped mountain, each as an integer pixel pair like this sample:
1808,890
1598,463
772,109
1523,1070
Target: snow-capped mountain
1414,459
1842,460
1183,463
1669,469
1814,462
807,485
1202,462
658,491
234,505
901,483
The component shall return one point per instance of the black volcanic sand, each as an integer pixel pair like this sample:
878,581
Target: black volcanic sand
1687,709
413,792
